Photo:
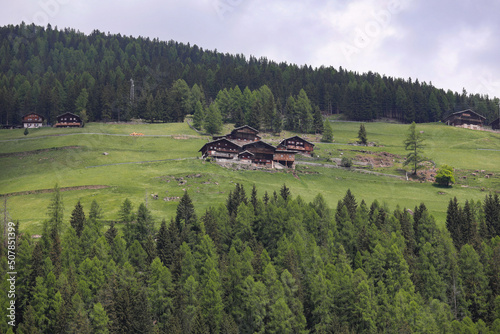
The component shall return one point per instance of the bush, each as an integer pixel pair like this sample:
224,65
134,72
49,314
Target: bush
346,162
445,176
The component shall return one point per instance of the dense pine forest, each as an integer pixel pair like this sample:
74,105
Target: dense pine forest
51,71
260,263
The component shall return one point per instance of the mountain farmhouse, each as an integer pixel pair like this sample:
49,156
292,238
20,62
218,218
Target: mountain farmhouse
68,120
466,119
32,120
244,145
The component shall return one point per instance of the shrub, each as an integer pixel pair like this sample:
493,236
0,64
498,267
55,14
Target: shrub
445,176
346,162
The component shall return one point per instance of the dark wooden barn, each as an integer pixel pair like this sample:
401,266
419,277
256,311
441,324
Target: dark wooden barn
221,148
68,120
465,118
298,144
262,151
244,133
495,125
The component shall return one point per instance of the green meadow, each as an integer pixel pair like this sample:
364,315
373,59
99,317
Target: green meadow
165,162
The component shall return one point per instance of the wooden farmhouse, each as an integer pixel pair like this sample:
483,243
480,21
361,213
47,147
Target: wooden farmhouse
465,118
32,120
68,120
244,144
244,133
298,144
495,125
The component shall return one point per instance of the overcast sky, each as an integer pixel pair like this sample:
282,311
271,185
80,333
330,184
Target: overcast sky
454,44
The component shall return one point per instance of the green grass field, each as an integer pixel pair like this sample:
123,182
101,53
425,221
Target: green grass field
166,161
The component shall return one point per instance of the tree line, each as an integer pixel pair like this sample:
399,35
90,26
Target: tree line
261,263
50,71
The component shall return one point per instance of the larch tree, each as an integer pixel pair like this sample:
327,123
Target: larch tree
414,144
327,132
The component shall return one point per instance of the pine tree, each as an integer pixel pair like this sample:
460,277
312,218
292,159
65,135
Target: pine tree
56,211
491,208
111,233
77,219
285,192
126,217
350,202
145,224
362,135
454,222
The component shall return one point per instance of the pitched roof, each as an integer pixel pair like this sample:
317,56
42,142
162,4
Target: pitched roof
245,151
307,141
218,140
68,113
466,110
258,142
245,127
33,113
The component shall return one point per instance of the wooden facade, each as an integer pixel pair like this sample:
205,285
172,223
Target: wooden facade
298,144
495,125
221,148
464,118
68,120
244,133
32,120
244,144
263,153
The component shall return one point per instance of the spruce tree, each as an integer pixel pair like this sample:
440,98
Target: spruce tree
185,215
362,134
77,219
350,202
285,192
111,233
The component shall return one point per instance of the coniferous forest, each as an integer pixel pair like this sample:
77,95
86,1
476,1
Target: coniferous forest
260,263
50,71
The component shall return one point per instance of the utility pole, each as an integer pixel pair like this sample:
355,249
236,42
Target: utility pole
132,91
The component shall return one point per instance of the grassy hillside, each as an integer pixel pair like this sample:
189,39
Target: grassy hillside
165,162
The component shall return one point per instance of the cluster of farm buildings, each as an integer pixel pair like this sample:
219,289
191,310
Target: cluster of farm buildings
244,145
34,120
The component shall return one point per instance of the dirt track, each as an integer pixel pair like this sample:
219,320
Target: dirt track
44,191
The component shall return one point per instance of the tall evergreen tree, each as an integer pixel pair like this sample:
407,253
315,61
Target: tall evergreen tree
77,219
362,134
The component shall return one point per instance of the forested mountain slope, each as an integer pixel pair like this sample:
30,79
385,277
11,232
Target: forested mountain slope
50,71
261,263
